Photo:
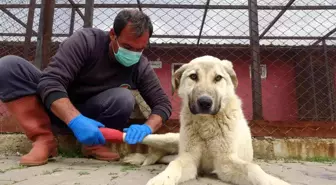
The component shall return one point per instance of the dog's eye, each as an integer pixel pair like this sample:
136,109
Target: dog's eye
218,78
193,76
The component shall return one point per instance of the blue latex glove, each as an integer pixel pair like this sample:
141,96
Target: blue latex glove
87,130
136,133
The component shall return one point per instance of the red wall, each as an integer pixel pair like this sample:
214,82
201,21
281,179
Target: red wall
278,98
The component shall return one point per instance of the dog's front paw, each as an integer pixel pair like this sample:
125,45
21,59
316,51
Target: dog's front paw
276,181
162,179
142,159
150,160
134,159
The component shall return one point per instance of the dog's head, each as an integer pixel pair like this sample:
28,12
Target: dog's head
206,83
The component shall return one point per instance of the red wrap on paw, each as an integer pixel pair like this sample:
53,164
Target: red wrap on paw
112,135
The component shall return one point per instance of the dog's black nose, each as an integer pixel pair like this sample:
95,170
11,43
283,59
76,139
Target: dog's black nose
204,102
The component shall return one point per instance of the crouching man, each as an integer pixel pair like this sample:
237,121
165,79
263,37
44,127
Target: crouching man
82,89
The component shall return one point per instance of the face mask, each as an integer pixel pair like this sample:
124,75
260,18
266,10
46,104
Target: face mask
127,57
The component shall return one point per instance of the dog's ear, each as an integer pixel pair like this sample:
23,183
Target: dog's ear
229,69
176,77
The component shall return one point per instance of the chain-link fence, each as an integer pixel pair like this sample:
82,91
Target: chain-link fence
283,51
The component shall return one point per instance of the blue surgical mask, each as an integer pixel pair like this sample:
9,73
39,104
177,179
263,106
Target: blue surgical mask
127,57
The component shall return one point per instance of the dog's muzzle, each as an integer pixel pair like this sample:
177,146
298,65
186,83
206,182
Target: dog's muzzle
202,105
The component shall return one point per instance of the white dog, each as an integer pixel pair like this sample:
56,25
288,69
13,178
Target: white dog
214,135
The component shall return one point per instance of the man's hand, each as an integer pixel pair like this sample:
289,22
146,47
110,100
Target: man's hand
87,130
136,133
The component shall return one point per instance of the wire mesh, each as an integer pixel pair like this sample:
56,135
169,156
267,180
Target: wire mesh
283,51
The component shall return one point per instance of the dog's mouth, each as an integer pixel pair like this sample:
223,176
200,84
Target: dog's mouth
204,105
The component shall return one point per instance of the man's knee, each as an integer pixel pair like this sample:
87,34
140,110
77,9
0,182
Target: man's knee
116,108
122,101
14,65
112,105
18,77
8,64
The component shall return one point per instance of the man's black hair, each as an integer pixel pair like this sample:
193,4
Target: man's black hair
139,21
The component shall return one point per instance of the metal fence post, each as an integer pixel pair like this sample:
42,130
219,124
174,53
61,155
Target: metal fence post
38,54
29,28
45,33
330,81
88,16
255,66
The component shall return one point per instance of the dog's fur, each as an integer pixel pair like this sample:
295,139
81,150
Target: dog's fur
213,139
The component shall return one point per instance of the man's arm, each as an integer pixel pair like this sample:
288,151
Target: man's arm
64,109
152,92
61,71
155,122
55,80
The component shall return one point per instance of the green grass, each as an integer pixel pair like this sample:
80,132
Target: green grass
13,168
321,159
47,172
125,168
318,159
70,153
83,173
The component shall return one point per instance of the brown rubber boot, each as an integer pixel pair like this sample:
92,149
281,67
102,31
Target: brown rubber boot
35,123
100,152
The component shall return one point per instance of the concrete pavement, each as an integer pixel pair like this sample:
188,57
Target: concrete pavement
81,171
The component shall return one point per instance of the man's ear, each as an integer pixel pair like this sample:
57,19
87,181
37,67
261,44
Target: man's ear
229,69
112,34
176,77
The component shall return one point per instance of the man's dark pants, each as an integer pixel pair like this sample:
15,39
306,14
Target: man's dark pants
18,78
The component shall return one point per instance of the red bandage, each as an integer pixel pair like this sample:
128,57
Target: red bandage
112,135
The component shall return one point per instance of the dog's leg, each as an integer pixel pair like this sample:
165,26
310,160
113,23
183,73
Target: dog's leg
168,142
167,159
235,170
160,145
134,159
152,157
182,169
